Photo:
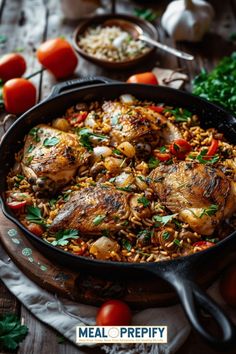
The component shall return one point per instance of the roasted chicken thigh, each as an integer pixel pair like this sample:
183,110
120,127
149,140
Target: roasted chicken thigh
51,155
136,124
201,194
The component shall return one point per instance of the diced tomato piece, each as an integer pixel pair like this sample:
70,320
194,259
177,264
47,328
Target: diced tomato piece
180,148
77,118
203,245
158,109
213,147
16,205
35,229
165,156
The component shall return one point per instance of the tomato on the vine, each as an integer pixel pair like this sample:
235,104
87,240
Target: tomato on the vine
18,95
12,65
114,313
58,56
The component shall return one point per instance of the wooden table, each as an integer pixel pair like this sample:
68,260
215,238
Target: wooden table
26,23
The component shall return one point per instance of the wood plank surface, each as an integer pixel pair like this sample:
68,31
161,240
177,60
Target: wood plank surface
28,22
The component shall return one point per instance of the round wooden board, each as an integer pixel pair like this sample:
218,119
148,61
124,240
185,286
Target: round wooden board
76,285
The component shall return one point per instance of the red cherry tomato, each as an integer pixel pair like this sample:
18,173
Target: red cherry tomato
58,56
158,109
77,118
162,156
213,147
18,95
114,313
143,78
203,245
11,66
228,286
35,229
180,148
15,205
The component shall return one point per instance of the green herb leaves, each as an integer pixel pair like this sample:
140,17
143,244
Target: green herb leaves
98,219
126,244
153,163
11,331
48,142
163,220
219,85
63,237
202,158
34,132
181,115
144,201
34,215
211,210
146,14
85,136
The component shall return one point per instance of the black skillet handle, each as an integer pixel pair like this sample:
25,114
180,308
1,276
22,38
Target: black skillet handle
194,299
76,83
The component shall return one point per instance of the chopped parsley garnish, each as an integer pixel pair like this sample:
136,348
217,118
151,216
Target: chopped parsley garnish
66,195
98,219
201,157
48,142
163,220
29,159
162,149
180,115
116,151
12,332
52,202
145,234
125,189
209,211
30,148
146,14
126,244
34,133
165,235
20,177
177,242
34,215
85,135
63,236
214,240
144,201
142,178
153,163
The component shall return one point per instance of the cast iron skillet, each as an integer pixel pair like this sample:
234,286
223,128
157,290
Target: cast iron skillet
181,274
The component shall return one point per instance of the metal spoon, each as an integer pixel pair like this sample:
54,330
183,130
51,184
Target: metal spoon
137,33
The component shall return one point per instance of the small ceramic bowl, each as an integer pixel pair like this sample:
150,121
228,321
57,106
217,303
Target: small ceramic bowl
148,29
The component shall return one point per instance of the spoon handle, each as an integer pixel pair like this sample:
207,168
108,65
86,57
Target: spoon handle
176,52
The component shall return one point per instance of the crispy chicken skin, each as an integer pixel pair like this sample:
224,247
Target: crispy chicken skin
190,188
93,210
52,154
136,123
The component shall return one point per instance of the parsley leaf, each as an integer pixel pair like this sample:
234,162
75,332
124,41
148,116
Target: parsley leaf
126,244
153,163
98,219
34,215
209,211
165,235
34,132
218,86
144,201
146,14
177,242
202,159
85,135
125,189
63,236
163,219
12,332
48,142
180,115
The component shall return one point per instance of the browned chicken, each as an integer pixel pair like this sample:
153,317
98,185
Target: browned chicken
201,194
136,124
51,155
93,210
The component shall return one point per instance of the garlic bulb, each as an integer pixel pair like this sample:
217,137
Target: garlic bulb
187,20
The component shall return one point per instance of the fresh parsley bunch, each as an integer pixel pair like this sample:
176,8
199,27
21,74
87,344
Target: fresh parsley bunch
218,86
12,332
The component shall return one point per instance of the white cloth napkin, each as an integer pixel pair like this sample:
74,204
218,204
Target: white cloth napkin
64,315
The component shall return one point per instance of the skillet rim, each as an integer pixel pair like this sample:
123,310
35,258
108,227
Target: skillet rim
114,264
